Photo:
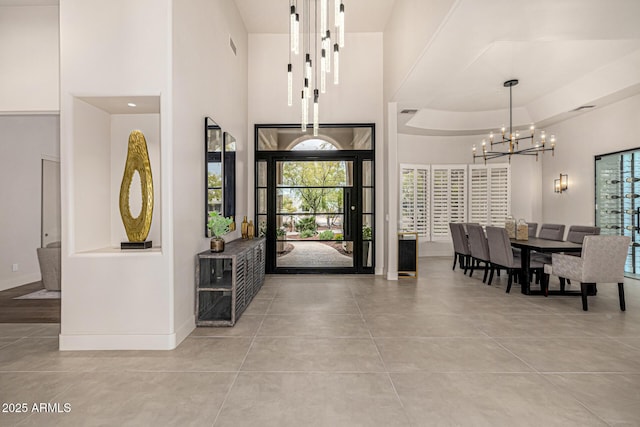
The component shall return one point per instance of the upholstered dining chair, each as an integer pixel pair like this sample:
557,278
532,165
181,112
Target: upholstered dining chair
501,255
602,261
551,231
460,246
479,247
533,228
577,232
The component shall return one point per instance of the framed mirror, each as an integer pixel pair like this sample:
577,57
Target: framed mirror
213,167
229,172
220,176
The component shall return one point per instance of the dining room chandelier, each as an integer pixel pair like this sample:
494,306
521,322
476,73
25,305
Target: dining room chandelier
514,138
317,49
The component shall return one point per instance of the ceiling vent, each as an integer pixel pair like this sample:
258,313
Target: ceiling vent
584,107
408,111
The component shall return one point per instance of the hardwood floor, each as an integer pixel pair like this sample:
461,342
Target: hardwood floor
28,310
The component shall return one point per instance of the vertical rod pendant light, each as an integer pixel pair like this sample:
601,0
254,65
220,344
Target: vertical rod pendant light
336,64
315,38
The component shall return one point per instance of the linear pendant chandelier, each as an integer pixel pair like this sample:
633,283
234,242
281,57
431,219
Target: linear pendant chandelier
514,138
317,44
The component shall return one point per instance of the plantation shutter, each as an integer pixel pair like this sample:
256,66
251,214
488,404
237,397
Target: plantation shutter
489,194
448,198
414,199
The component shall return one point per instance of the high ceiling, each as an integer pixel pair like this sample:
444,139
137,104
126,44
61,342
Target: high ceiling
566,54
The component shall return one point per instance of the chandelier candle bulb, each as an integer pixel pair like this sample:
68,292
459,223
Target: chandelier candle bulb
341,25
292,28
323,72
316,114
296,34
327,41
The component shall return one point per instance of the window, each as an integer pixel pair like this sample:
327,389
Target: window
489,194
431,196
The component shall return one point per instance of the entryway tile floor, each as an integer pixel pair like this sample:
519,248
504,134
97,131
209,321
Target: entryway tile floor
444,349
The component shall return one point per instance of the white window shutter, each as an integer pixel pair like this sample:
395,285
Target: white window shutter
415,206
448,198
489,193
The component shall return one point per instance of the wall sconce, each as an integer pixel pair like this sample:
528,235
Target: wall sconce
561,184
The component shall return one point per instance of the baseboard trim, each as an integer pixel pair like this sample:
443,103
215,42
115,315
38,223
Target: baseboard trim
392,275
116,342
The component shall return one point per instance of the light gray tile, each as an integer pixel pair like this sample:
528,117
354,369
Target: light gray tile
313,354
305,289
257,306
497,399
140,398
9,330
312,399
31,388
447,355
613,397
370,305
574,354
532,325
314,325
420,325
51,330
310,305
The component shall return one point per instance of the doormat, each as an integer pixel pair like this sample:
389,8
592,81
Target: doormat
41,294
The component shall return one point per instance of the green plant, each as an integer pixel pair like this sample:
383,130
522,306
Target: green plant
307,233
307,223
218,225
338,236
366,232
281,233
326,235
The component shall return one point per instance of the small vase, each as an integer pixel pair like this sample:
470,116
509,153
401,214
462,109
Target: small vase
243,228
217,245
250,230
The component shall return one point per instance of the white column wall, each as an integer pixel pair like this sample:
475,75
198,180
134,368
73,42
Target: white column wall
357,99
525,175
24,142
600,131
29,67
114,299
209,80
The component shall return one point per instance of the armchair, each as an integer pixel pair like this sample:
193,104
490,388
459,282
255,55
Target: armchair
602,261
49,259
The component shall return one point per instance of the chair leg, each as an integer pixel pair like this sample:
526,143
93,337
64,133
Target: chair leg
623,306
466,263
474,263
491,275
455,258
510,280
562,283
583,289
486,272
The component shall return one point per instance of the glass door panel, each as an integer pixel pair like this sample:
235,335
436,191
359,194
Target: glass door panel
310,214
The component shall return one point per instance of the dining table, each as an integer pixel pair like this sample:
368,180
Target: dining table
539,245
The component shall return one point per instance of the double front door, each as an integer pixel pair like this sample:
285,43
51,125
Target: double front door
317,211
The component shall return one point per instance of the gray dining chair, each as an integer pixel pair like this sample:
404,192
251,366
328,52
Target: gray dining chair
533,228
602,261
551,232
501,256
479,247
462,254
576,233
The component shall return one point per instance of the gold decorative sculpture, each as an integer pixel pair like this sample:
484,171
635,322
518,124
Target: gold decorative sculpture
137,160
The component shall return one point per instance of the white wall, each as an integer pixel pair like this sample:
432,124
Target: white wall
525,174
600,131
357,99
208,80
113,299
29,65
24,142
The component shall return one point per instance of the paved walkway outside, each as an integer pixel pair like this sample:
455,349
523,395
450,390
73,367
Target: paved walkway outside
313,254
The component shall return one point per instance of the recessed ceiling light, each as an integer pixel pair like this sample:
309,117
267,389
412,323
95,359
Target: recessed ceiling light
131,104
